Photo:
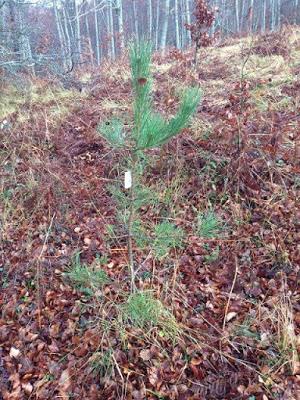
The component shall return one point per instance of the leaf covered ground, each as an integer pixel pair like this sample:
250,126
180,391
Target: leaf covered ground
217,238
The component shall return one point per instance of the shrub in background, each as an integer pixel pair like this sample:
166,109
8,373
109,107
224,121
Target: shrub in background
204,18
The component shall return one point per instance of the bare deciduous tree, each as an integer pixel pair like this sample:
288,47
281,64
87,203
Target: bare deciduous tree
163,41
97,38
119,11
84,30
176,19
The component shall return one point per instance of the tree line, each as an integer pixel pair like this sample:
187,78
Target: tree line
62,34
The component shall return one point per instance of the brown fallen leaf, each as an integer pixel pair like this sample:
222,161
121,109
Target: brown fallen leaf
14,353
27,387
230,316
145,355
64,384
53,348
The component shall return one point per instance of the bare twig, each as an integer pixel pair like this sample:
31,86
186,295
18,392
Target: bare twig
231,291
38,271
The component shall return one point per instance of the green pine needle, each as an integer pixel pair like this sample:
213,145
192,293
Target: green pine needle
209,225
151,129
140,58
84,276
144,311
113,132
166,237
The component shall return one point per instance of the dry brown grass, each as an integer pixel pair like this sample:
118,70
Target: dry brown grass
286,340
53,101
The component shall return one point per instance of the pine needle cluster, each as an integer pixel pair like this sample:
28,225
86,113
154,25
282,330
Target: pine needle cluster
150,129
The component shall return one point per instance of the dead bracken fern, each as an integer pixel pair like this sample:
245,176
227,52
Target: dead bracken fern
282,317
274,43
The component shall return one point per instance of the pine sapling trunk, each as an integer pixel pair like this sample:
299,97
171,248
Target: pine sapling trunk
131,221
197,48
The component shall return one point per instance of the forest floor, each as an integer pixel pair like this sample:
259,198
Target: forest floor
217,312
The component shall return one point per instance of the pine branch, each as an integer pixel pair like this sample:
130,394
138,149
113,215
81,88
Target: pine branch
151,129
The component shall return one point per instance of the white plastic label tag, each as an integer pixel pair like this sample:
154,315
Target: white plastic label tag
128,180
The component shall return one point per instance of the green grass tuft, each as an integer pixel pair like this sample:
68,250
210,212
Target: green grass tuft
102,363
209,225
85,277
167,236
145,312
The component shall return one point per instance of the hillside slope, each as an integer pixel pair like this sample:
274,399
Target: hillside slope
217,315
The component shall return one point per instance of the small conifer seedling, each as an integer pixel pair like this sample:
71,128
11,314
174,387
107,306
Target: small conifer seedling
149,130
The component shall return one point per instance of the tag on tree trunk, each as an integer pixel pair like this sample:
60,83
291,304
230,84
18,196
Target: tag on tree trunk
128,180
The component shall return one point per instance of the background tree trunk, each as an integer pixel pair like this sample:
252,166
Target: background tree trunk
150,19
157,23
263,16
237,15
273,15
60,35
67,40
12,34
110,22
24,46
188,21
111,30
77,32
296,11
176,17
251,15
2,22
97,40
135,19
279,14
242,17
88,34
164,33
119,12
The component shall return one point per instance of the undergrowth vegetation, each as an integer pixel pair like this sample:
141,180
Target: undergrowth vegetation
86,278
144,311
209,226
215,235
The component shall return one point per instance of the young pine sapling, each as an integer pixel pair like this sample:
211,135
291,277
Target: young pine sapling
149,130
